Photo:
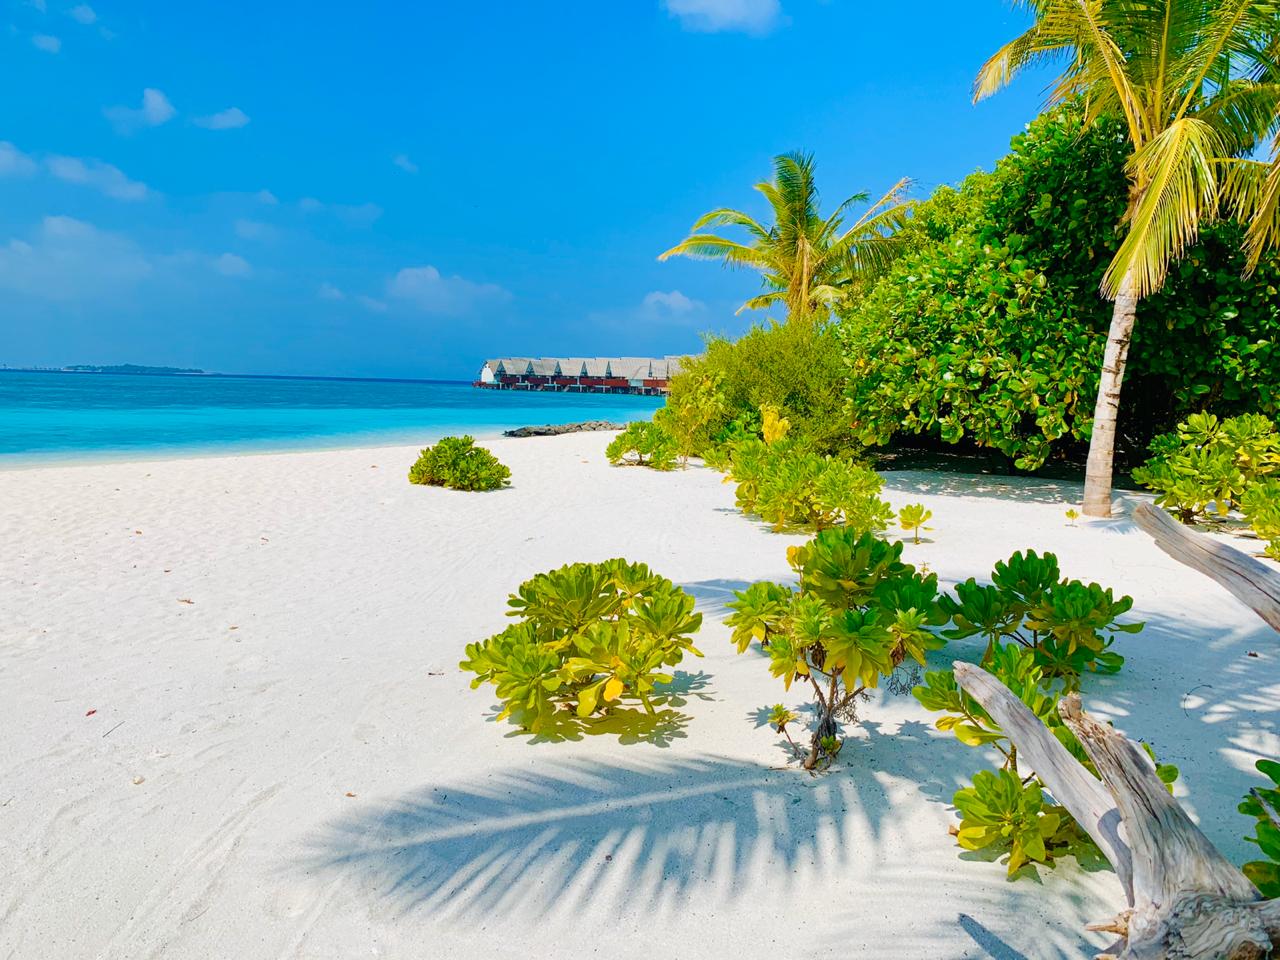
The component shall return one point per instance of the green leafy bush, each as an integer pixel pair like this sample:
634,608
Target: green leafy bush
1210,463
694,408
796,369
990,331
457,463
995,815
1068,626
1261,507
790,486
650,444
1263,804
858,613
590,636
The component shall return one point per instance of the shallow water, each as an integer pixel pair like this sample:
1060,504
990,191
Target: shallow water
59,416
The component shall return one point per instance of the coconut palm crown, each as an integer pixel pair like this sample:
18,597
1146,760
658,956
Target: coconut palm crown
807,262
1194,83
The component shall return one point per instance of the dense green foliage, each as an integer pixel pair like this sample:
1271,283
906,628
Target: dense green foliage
1261,507
457,463
694,409
1207,463
1263,804
990,330
1068,626
796,369
858,613
644,444
790,486
589,636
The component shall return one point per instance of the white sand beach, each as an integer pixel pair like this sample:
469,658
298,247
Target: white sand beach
234,725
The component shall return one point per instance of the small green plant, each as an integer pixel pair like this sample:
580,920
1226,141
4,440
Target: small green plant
1261,507
1072,516
1263,804
457,463
1210,463
791,487
1000,811
650,444
913,518
693,407
858,613
1069,626
590,635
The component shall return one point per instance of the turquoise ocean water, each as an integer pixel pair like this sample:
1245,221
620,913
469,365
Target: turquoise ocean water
64,416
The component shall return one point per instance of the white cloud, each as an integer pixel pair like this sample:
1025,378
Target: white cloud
230,265
328,291
13,162
68,260
427,289
254,230
267,197
42,41
372,303
98,175
310,205
83,13
714,16
404,163
357,214
673,304
155,110
229,119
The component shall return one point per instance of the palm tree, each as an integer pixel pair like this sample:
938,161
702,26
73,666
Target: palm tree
807,262
1183,76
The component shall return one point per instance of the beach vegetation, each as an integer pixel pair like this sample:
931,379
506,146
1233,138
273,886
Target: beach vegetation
1261,507
789,486
694,409
857,614
457,463
1184,85
807,262
1263,804
1067,626
999,810
644,444
1209,464
989,332
795,370
589,636
913,517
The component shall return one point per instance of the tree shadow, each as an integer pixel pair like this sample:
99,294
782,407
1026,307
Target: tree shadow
714,596
988,486
630,724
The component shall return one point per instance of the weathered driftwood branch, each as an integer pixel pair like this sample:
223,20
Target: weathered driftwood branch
1249,580
1186,900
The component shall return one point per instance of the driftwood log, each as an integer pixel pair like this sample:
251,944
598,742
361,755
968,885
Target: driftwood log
1186,901
1250,581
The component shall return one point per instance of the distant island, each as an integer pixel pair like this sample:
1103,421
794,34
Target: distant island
129,368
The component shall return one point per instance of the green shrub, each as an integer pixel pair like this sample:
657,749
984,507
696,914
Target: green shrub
990,331
457,463
994,814
1261,507
858,613
1210,463
1067,626
1263,804
649,443
694,408
790,486
796,369
590,636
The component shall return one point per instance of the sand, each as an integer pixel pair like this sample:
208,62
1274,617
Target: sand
234,725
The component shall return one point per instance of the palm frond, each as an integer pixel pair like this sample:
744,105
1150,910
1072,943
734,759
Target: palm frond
1177,177
708,246
728,217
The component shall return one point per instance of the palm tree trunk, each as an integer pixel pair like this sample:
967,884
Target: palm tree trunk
1102,443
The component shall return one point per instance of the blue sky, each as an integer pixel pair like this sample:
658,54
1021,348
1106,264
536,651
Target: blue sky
396,189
